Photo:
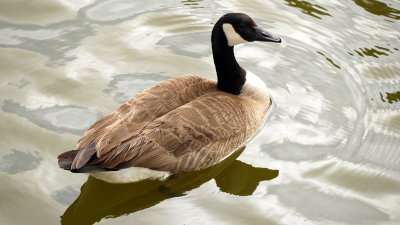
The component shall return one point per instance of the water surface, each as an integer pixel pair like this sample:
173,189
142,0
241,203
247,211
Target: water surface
334,134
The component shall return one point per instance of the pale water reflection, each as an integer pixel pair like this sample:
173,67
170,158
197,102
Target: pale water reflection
333,135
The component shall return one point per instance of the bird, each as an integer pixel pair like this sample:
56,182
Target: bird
186,123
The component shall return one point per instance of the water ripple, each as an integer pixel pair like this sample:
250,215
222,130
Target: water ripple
333,134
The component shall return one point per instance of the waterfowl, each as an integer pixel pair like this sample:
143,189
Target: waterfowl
185,123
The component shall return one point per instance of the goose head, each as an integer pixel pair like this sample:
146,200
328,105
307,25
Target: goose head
240,28
230,30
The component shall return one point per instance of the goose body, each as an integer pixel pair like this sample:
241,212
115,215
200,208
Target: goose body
185,123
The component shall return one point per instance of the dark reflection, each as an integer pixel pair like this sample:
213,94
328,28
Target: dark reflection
192,3
308,8
378,8
329,60
242,179
391,97
375,51
99,199
372,52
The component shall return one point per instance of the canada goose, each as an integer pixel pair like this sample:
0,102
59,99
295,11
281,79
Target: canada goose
185,123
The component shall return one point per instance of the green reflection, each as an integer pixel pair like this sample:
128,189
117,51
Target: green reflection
375,51
378,8
372,52
193,3
100,199
308,8
329,60
391,97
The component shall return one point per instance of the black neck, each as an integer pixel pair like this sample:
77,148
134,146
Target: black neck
231,77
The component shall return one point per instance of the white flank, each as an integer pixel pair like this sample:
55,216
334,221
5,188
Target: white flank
131,174
233,37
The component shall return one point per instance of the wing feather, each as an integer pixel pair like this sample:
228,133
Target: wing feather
192,136
178,125
131,118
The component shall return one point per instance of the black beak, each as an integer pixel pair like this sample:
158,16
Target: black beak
263,35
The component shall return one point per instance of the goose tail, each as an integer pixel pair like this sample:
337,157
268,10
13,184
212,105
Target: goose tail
65,159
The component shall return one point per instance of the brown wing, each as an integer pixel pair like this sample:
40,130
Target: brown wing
130,118
179,125
190,137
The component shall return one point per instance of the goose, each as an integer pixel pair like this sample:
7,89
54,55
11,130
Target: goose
185,123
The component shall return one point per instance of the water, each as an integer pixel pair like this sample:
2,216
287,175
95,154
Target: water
328,155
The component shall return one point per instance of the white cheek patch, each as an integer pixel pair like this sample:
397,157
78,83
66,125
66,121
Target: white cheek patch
231,35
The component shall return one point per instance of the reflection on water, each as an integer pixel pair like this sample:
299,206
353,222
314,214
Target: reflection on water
99,199
334,134
194,4
321,206
379,8
375,52
329,60
18,161
308,8
391,97
124,86
58,118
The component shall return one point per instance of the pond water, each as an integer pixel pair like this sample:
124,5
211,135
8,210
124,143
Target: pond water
329,153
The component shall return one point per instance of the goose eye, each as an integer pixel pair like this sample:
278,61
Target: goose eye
242,25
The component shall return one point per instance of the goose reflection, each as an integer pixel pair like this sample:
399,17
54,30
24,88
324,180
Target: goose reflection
99,199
